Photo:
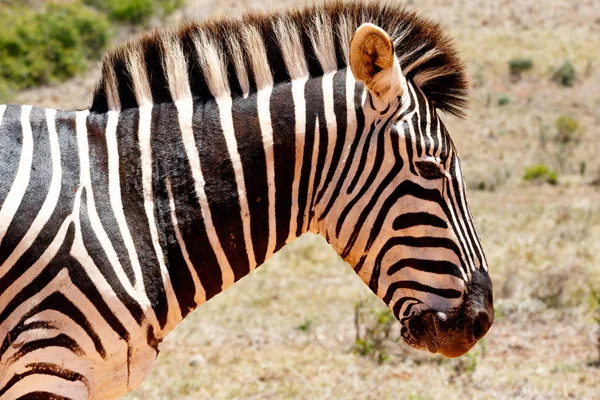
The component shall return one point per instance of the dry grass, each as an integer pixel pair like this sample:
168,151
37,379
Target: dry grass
542,242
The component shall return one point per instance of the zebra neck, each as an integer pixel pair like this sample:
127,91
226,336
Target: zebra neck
211,190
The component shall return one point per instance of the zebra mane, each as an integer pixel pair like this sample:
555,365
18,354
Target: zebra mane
238,57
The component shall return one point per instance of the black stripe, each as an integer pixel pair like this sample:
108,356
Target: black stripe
196,79
124,85
409,241
56,301
132,193
387,181
463,212
360,125
96,251
314,66
190,219
377,162
61,340
98,158
409,220
40,395
398,306
164,127
65,122
412,285
157,75
317,100
431,266
283,121
37,189
220,188
340,111
363,158
313,98
404,189
11,144
250,147
422,138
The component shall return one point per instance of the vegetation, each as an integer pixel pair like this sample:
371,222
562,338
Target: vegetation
565,75
47,45
568,129
595,305
503,100
519,65
374,332
135,11
540,173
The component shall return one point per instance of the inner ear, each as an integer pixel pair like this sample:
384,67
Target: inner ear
372,58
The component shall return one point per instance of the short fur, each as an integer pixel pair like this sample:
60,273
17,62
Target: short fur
246,50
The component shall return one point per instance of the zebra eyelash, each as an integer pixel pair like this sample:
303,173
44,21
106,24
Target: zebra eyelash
429,169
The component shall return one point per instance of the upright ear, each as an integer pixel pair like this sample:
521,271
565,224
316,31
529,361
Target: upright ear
372,59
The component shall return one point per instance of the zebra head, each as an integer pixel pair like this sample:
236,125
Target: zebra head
421,253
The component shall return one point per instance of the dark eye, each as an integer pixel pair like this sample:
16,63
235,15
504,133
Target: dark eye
429,170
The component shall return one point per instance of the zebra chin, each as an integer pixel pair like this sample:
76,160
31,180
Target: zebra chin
454,333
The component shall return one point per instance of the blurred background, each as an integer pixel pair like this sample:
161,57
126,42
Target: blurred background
304,326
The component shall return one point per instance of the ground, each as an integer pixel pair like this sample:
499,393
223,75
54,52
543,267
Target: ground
288,331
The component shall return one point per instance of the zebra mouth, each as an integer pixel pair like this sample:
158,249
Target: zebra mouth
424,332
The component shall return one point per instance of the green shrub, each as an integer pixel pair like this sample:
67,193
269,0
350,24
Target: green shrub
135,11
540,173
503,100
568,129
519,65
374,331
595,306
565,75
48,45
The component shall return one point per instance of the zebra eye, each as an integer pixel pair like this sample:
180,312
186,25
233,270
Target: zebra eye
429,170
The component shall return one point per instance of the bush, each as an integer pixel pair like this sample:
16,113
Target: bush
595,306
540,173
49,45
519,65
568,130
503,100
135,11
565,75
375,332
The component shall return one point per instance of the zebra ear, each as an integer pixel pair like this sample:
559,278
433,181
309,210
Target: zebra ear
372,59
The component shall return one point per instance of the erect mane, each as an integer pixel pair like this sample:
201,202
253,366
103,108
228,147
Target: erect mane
244,55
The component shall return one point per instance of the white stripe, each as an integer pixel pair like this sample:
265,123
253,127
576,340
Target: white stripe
311,179
2,109
33,271
463,221
264,117
185,110
95,222
331,122
200,294
114,190
174,312
224,102
300,133
21,181
427,127
439,135
49,203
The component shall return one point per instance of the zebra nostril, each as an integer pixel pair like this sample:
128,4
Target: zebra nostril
481,324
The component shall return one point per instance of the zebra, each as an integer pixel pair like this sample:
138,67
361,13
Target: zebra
205,150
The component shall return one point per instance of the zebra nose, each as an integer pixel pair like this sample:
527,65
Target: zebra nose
482,323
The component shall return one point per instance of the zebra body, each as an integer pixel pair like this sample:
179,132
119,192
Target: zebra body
117,221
